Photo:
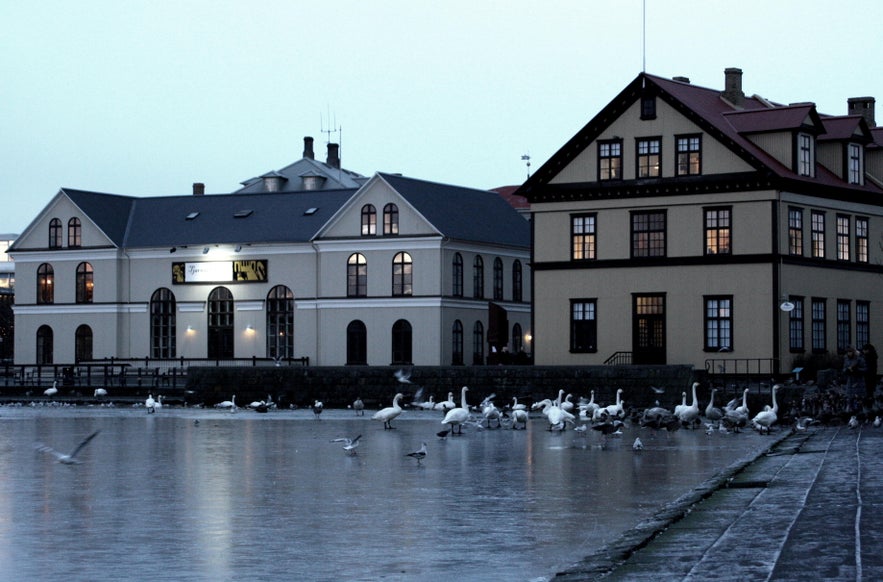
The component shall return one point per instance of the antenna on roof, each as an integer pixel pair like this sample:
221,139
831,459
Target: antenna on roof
644,39
526,158
332,126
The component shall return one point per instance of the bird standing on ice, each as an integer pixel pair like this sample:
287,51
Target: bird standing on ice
52,391
318,407
389,413
150,404
359,406
419,454
457,416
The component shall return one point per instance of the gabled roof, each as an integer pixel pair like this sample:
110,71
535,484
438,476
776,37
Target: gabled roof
848,127
716,116
463,213
292,177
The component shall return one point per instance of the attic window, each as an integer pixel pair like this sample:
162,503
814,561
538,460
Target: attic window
243,213
648,107
310,211
192,215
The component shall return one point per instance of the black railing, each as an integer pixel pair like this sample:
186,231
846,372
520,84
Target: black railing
619,359
741,372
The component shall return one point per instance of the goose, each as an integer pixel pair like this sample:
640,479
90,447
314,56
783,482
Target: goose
389,413
766,418
419,454
318,407
150,404
52,391
349,445
519,416
457,416
689,415
100,392
228,404
446,405
712,413
359,406
70,459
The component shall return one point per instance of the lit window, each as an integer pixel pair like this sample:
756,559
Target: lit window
717,231
356,276
649,157
861,239
818,234
582,236
842,238
402,275
369,220
805,155
610,160
795,232
689,155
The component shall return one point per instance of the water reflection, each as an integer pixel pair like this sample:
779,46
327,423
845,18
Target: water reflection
269,496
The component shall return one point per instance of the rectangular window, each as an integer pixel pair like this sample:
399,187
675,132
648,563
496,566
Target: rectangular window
648,234
844,324
717,231
689,155
718,323
861,239
795,231
583,326
795,324
842,237
805,155
648,107
582,236
819,344
610,160
649,156
818,234
855,164
862,323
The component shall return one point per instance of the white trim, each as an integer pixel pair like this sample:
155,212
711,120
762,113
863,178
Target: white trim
249,305
84,308
191,306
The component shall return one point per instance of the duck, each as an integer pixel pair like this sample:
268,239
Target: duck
457,416
389,413
766,418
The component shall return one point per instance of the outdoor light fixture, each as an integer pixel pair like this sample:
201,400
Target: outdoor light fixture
249,327
238,248
205,250
173,249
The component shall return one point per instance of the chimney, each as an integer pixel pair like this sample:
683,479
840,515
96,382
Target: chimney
333,155
198,189
308,148
863,106
733,86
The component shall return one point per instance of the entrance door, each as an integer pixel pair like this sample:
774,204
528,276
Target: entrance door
648,329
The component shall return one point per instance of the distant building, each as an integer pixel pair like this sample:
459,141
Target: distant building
7,298
690,225
308,261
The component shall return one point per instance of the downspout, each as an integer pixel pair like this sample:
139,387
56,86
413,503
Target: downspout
777,282
316,302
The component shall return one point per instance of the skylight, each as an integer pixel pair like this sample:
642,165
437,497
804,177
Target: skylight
242,213
310,211
192,215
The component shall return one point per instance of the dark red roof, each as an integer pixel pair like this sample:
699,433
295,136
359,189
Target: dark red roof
507,193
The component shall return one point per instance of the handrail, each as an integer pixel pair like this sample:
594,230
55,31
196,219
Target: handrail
619,358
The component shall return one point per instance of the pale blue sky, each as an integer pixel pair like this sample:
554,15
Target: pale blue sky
146,97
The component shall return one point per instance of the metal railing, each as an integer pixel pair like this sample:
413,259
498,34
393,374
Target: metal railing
618,359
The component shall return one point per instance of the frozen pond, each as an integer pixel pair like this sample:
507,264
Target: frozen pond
250,496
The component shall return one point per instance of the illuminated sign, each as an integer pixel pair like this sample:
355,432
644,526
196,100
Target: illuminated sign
247,271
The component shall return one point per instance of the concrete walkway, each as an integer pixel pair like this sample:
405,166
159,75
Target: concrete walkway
809,508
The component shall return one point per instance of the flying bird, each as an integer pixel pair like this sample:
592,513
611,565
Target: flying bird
403,376
419,454
70,459
349,445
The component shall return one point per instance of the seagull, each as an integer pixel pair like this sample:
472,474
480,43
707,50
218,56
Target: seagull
637,445
853,422
419,454
403,376
349,445
657,389
317,408
71,458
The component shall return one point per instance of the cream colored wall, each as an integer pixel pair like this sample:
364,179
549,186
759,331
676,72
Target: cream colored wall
778,145
830,155
716,158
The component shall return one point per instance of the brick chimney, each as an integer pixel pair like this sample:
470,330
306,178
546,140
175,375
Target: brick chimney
198,189
308,148
863,106
733,86
333,155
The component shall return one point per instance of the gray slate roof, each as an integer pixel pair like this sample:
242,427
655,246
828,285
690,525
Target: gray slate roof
292,175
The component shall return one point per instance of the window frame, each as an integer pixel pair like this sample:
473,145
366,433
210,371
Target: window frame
402,275
478,343
356,343
843,237
163,324
796,325
717,321
517,281
74,233
584,326
610,160
85,283
55,236
457,343
855,167
457,275
714,232
583,236
390,220
498,279
844,324
862,322
655,246
862,249
688,155
369,220
817,229
45,284
478,277
356,275
818,322
805,155
648,163
795,231
83,343
279,333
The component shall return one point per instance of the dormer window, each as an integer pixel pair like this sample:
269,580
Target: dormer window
855,170
648,107
806,155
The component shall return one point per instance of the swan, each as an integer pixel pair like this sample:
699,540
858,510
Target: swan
744,407
690,414
359,406
553,413
429,404
713,413
567,405
588,409
446,405
158,404
682,405
491,412
613,410
318,407
70,459
766,418
516,406
228,404
52,391
256,403
150,404
100,392
419,454
457,416
877,422
519,416
389,413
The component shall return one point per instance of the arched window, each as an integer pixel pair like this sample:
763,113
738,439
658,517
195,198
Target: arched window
357,276
356,344
517,281
369,220
517,339
402,277
498,279
478,344
74,233
457,290
85,283
280,322
478,278
390,219
163,324
457,343
54,234
83,343
45,283
220,324
401,342
44,345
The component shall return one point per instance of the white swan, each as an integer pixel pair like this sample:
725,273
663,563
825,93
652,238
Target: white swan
100,392
70,459
158,404
616,410
490,412
682,405
457,416
766,418
690,414
389,413
227,404
516,406
52,391
429,404
567,405
150,404
519,416
446,405
587,409
744,407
